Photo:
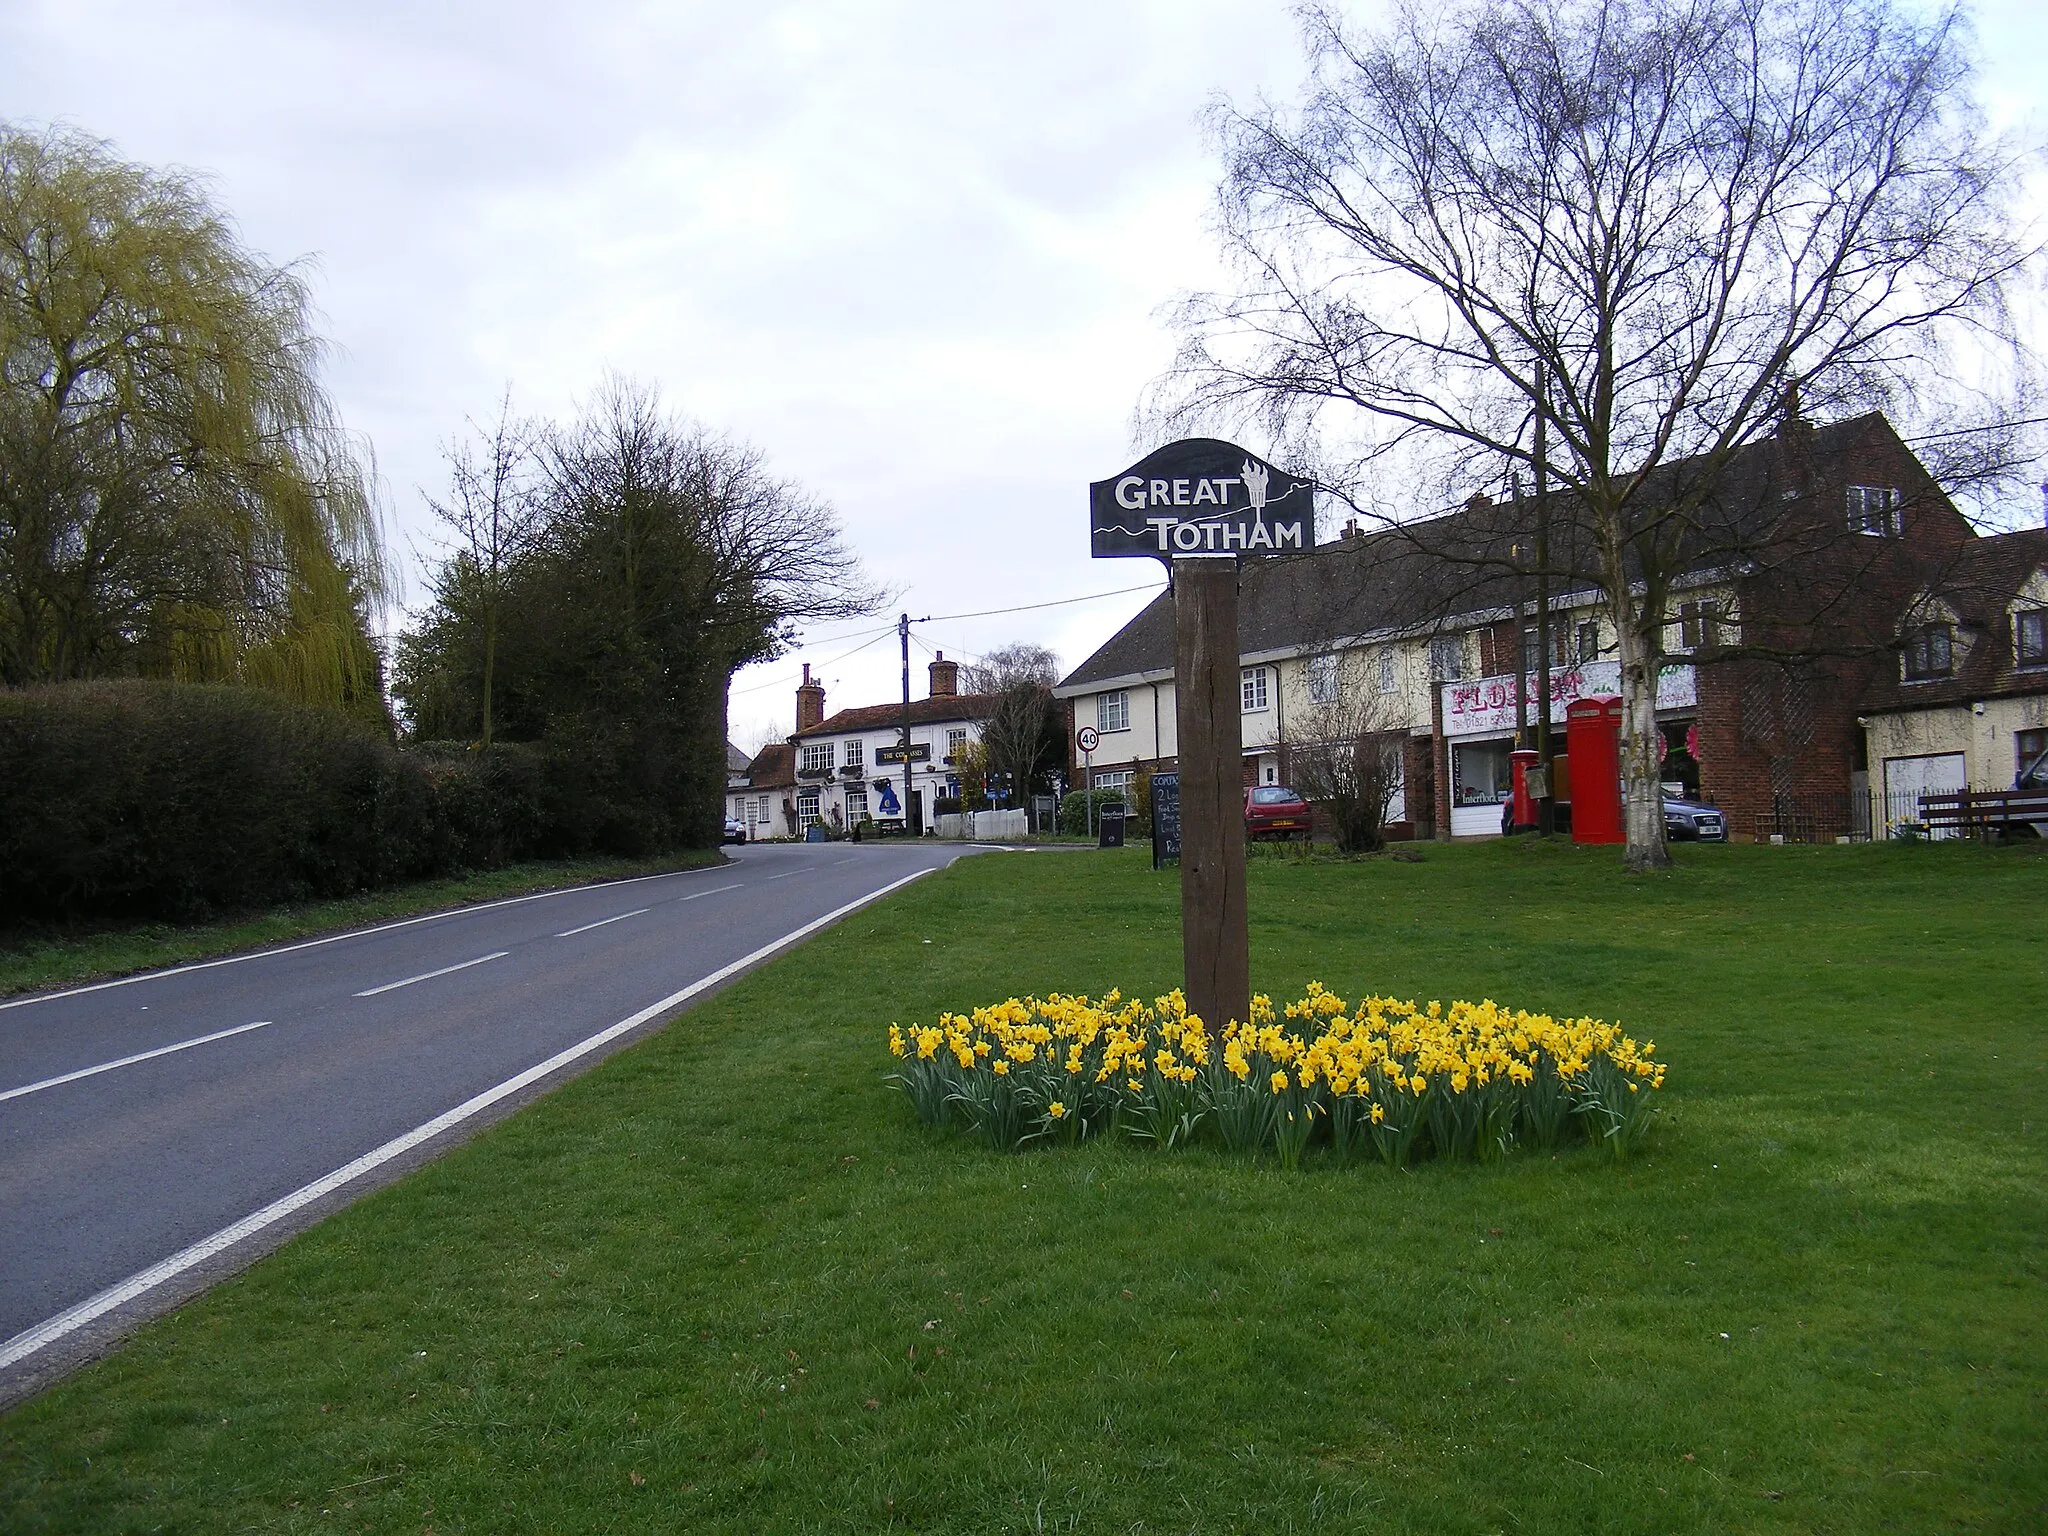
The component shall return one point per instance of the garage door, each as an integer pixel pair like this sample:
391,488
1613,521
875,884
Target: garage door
1906,779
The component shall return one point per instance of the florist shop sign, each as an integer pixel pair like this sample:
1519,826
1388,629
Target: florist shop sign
1488,705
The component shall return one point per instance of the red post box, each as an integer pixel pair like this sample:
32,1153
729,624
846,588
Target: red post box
1520,763
1592,729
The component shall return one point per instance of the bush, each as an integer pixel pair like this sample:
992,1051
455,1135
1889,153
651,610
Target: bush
163,800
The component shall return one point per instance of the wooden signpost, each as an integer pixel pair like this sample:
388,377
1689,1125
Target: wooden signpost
1201,506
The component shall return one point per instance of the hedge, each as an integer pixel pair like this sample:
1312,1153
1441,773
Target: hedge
160,800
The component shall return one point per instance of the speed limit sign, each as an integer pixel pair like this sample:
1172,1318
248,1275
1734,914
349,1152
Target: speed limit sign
1087,739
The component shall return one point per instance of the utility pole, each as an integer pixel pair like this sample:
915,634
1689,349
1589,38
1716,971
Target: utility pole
903,634
1546,807
1215,941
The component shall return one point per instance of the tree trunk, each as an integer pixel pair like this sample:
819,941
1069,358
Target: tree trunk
1642,754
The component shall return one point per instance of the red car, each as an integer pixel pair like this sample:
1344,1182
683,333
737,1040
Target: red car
1274,810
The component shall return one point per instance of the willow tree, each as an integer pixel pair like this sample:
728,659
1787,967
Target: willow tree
1595,245
177,498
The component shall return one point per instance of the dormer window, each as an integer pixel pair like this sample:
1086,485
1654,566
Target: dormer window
2030,637
1930,652
1875,509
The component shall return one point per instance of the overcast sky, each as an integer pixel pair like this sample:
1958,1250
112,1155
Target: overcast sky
915,252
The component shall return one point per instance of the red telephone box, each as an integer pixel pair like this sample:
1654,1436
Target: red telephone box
1592,729
1520,763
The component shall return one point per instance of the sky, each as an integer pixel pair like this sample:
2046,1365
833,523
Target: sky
919,254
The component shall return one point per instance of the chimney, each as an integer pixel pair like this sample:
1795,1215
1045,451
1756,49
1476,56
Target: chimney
1478,501
945,676
1350,528
810,701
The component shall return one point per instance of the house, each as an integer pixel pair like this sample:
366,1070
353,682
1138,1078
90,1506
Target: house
1967,705
763,795
1778,644
849,767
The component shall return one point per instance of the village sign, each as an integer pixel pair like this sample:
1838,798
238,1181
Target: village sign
1200,496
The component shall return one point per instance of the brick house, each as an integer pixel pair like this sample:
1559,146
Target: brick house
1777,644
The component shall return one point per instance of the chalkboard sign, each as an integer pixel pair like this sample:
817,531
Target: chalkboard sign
1165,819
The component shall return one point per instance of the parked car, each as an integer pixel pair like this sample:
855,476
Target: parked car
735,830
1274,810
1689,821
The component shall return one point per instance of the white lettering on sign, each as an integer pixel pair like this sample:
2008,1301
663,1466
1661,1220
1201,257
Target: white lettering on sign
1134,493
1174,533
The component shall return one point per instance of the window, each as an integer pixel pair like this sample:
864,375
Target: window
1322,679
1116,781
1113,712
806,806
817,757
1698,624
956,743
1447,658
1389,672
1875,509
1929,652
1251,682
1589,641
856,805
2030,637
2029,747
856,754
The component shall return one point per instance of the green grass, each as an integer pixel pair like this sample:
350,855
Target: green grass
57,957
725,1284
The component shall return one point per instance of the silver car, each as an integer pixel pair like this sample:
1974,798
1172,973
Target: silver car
1689,821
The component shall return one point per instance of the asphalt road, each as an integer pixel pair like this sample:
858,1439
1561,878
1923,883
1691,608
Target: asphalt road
162,1130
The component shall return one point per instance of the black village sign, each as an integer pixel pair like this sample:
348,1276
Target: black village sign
1201,496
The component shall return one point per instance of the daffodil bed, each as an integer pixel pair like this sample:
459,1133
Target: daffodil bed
1397,1079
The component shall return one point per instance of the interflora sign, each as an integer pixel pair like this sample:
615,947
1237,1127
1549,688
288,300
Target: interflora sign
1201,496
1488,704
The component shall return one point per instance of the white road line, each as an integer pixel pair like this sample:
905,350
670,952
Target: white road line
695,895
70,1320
786,874
601,922
129,1061
393,986
353,933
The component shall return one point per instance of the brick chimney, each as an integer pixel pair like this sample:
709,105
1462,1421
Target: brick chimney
810,701
945,676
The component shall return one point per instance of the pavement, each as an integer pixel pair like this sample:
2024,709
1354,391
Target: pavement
161,1131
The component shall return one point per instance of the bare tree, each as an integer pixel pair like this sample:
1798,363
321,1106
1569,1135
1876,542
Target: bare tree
493,509
1022,738
1602,246
1347,757
1008,665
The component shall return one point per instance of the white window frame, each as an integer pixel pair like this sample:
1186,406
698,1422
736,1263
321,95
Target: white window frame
1251,687
1447,658
804,817
1113,711
856,754
1117,779
1389,674
856,804
814,756
956,743
1323,678
1875,509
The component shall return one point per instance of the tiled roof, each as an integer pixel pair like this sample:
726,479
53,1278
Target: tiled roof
1987,574
1414,576
881,717
773,767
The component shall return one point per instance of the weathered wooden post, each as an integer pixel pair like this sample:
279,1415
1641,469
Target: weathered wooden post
1202,506
1216,951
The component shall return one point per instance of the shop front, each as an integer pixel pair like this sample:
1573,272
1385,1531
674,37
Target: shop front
1481,719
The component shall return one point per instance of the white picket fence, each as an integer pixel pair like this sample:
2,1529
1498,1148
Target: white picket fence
985,826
